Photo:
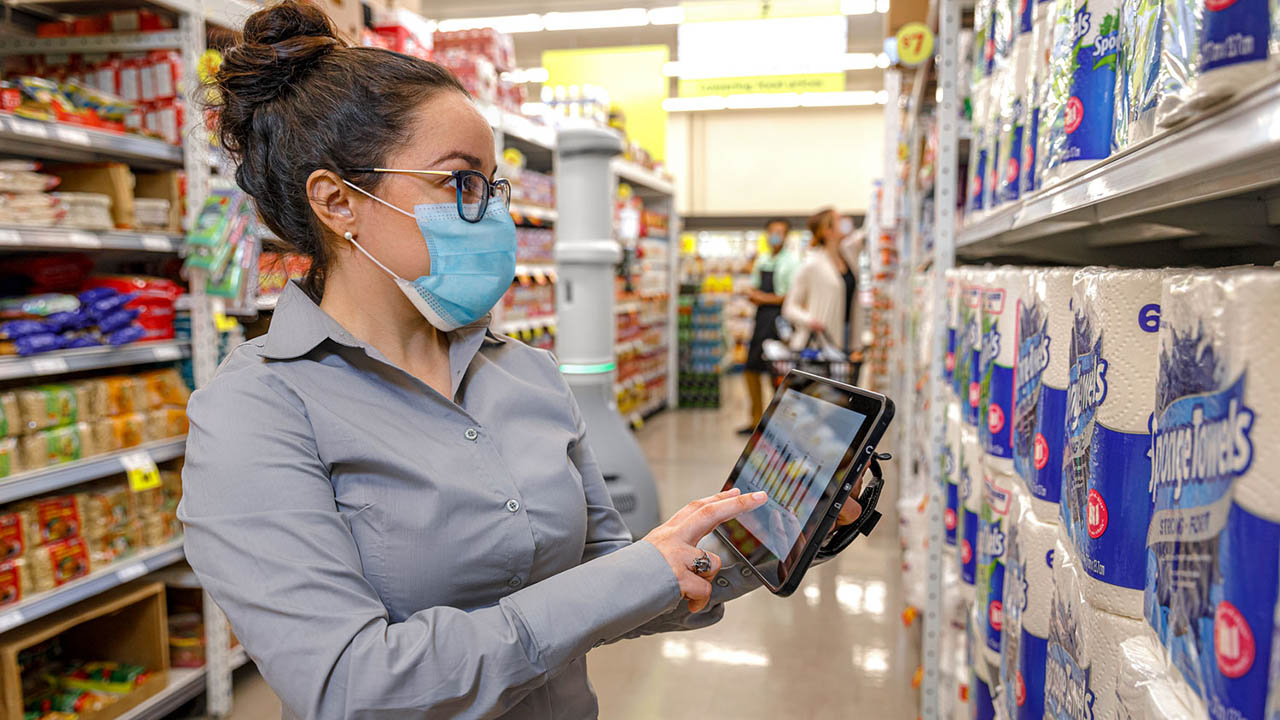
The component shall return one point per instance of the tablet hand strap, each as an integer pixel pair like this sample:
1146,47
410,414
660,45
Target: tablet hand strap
866,522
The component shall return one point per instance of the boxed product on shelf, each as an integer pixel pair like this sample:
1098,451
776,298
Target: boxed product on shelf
118,21
476,72
533,188
535,245
494,47
527,302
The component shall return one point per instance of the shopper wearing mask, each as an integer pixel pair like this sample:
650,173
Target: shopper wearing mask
400,512
820,302
769,282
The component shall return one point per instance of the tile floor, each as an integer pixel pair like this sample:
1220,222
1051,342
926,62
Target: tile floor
836,649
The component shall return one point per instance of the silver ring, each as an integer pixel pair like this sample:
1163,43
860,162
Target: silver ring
702,565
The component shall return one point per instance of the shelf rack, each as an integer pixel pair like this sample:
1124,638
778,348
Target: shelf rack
14,238
35,482
60,141
69,361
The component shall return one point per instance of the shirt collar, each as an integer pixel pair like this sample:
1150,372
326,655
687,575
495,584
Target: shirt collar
299,326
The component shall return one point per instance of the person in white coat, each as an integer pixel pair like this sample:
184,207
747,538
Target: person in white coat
823,291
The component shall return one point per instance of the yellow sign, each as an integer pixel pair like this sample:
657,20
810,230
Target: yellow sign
141,470
915,43
814,82
632,75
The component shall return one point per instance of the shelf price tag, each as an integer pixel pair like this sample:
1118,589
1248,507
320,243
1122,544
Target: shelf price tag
132,572
915,43
157,243
141,470
10,237
84,240
48,365
11,619
72,136
167,352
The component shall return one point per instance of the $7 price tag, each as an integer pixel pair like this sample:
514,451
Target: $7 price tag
141,470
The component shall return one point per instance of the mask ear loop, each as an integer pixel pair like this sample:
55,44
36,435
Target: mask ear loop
351,238
361,190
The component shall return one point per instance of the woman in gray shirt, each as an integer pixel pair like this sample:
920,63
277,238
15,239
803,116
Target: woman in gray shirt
398,510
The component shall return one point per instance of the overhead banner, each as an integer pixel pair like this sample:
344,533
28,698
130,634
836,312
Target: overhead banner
817,82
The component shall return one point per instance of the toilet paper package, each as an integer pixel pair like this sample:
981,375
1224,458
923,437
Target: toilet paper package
1028,599
971,467
1214,537
1107,465
1148,687
968,345
1083,660
1235,41
1136,81
1013,119
1090,107
1180,24
951,472
1041,374
993,534
1052,137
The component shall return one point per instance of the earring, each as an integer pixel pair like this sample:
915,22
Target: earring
348,236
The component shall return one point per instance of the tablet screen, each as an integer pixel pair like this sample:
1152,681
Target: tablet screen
798,456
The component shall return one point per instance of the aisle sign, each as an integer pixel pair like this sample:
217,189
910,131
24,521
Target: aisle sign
141,470
915,44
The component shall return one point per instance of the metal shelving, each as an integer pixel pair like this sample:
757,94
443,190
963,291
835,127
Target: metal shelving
69,361
185,685
520,211
113,575
59,141
646,183
14,237
512,327
35,482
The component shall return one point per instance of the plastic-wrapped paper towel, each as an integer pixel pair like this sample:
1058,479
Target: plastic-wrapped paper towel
1037,89
1235,42
1013,120
951,472
1149,689
1028,599
1041,376
1137,79
1004,29
982,680
1107,465
1083,661
1004,289
968,345
1090,107
971,468
953,317
1180,23
1214,538
991,122
979,151
984,46
1051,139
993,534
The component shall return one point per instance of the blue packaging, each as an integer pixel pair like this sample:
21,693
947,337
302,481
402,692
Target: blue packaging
1041,374
1090,108
992,544
968,346
978,176
1213,546
1023,654
1235,32
969,525
995,365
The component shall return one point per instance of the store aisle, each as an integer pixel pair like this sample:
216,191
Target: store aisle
832,650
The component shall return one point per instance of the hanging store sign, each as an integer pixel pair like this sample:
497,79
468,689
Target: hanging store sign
818,82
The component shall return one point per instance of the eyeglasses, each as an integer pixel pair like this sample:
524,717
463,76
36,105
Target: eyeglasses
473,188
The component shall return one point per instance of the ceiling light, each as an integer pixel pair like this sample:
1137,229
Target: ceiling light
882,60
857,7
882,6
787,66
530,75
760,101
882,97
503,23
596,19
838,99
666,16
693,104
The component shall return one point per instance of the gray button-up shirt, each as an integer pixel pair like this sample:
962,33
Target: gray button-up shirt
383,551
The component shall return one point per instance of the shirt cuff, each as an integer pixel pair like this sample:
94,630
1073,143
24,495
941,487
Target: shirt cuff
603,599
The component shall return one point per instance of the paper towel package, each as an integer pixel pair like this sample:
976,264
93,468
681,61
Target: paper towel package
1037,87
968,345
1136,81
993,533
991,123
1052,137
953,317
981,681
1028,598
971,468
1148,686
1004,30
978,158
1002,290
1235,40
984,47
1084,659
1104,504
1214,535
1041,377
1180,23
951,472
1090,107
1013,120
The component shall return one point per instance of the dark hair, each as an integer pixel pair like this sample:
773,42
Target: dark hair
819,220
292,98
775,221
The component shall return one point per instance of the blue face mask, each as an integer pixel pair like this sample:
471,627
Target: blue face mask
775,241
472,264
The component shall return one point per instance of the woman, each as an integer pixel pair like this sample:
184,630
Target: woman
821,300
399,511
770,280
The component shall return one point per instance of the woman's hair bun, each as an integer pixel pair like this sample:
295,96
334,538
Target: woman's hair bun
285,21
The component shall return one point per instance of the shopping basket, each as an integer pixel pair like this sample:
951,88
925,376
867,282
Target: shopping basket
820,357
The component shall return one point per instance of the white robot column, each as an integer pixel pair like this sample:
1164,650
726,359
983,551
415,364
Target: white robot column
586,254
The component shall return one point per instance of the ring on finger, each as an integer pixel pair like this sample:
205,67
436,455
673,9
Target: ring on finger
702,565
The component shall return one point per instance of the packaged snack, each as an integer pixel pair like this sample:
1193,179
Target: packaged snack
105,508
93,397
10,416
14,329
165,388
15,582
34,344
166,423
38,306
186,640
121,431
10,457
56,518
17,533
58,563
115,543
117,320
160,528
125,394
130,334
58,445
106,677
46,406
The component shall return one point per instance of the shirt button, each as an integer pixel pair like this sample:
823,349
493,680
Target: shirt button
722,582
514,582
513,505
471,434
745,571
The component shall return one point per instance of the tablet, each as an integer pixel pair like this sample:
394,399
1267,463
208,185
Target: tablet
807,453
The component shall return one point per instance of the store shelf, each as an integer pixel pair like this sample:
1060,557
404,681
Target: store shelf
239,658
56,141
69,361
40,238
526,213
512,327
113,575
24,485
185,685
643,180
538,273
112,42
228,13
1186,188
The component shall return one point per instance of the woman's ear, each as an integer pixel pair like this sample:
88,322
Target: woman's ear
331,201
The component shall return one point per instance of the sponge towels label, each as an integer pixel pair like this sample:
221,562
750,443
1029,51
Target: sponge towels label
968,347
1235,31
1091,105
995,411
1039,411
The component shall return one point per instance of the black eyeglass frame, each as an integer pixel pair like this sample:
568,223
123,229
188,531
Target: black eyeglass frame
459,177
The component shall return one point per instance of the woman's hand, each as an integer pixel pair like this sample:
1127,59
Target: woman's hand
817,326
677,539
